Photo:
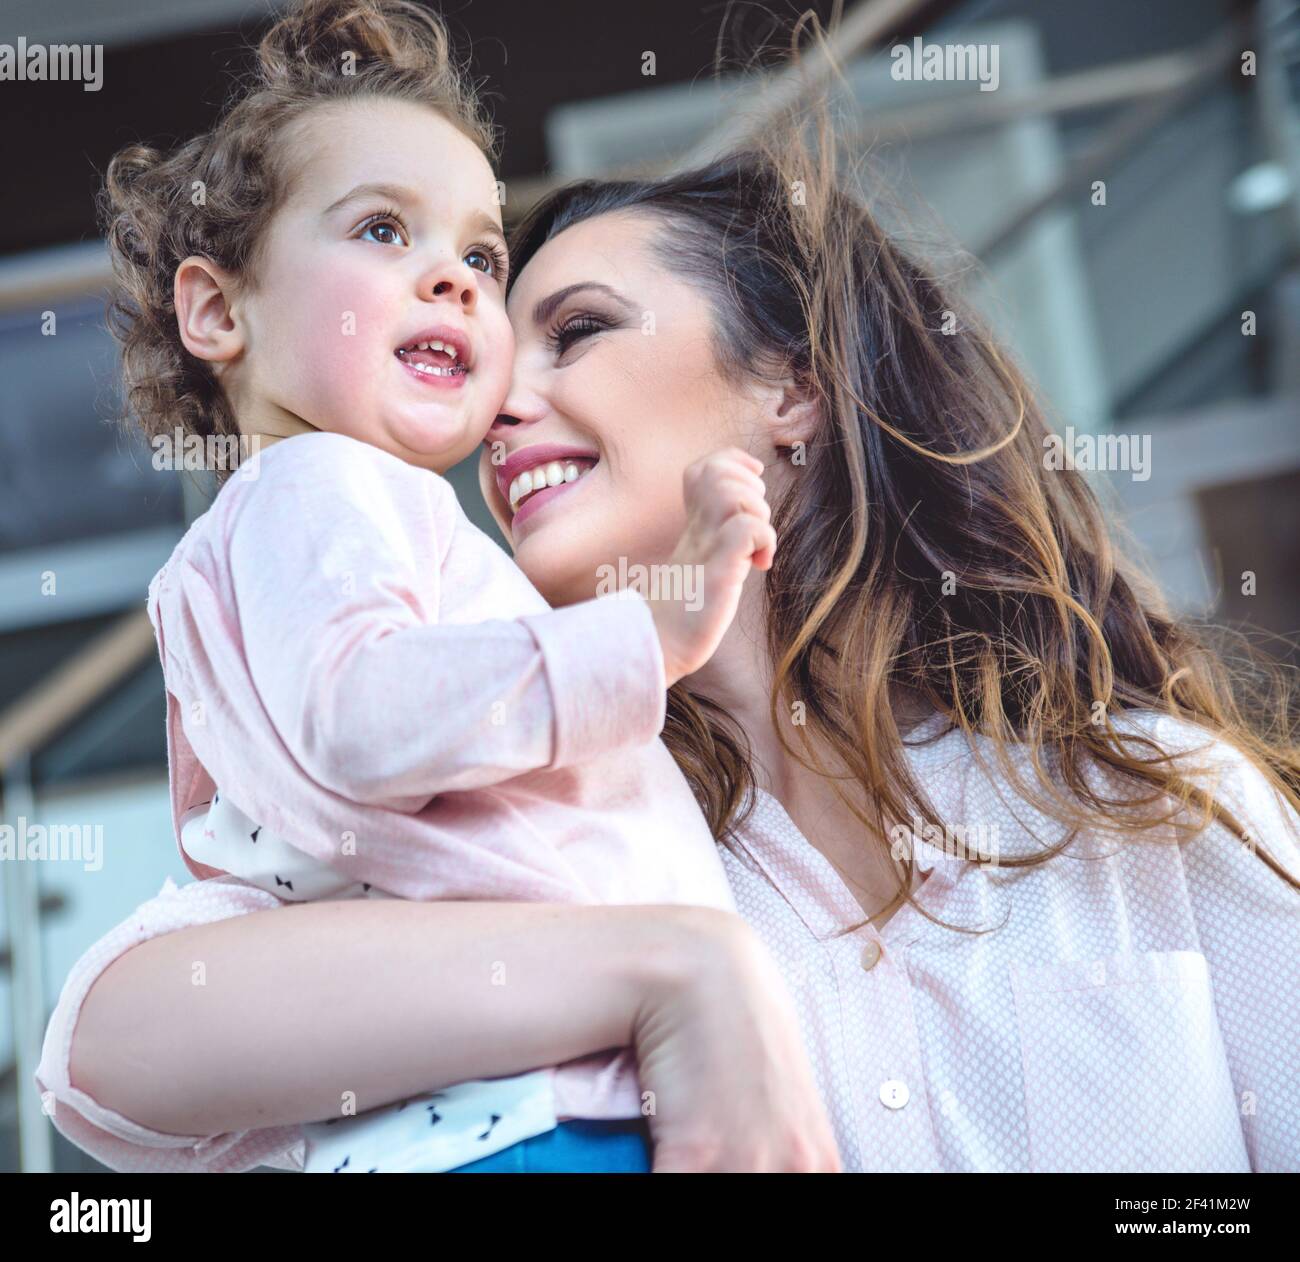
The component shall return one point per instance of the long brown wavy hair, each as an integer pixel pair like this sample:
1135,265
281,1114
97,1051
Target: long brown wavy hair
925,549
216,194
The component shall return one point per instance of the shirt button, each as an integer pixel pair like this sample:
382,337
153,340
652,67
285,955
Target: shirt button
893,1094
870,955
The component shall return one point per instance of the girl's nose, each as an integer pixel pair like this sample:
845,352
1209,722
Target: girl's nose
453,282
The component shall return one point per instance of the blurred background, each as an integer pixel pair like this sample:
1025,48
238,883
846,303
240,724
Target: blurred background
1129,187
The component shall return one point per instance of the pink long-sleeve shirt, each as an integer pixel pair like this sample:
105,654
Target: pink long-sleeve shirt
367,675
1135,1007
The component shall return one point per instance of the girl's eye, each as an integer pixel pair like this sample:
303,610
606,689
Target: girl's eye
384,229
574,329
488,259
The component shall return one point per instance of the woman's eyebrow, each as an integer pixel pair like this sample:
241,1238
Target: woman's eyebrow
549,305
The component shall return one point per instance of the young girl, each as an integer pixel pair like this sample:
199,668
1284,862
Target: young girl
398,711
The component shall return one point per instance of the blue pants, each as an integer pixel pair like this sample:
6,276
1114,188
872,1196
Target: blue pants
576,1147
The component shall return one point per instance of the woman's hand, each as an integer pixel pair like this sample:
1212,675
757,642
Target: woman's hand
718,1047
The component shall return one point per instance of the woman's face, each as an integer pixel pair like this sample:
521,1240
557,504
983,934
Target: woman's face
615,370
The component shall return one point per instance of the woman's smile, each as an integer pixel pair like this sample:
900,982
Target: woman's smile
548,475
595,376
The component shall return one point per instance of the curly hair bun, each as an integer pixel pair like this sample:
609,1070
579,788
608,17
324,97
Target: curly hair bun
332,36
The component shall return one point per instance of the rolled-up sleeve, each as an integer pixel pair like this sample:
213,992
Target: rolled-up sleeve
108,1136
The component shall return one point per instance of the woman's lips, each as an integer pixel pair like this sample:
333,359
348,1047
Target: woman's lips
539,499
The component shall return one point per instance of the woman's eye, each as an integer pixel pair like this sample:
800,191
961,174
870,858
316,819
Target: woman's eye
574,330
383,232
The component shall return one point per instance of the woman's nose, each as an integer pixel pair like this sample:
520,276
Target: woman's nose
523,406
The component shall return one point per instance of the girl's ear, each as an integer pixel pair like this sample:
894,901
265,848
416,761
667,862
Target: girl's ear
202,292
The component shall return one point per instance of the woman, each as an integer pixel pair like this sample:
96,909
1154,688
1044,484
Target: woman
982,800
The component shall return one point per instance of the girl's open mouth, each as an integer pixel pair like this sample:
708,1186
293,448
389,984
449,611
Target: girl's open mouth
435,362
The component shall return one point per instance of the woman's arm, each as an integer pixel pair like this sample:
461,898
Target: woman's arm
388,999
381,998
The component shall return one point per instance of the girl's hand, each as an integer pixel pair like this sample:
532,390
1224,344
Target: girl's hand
727,532
718,1048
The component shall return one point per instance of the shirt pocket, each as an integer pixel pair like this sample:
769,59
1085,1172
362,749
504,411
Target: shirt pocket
1124,1066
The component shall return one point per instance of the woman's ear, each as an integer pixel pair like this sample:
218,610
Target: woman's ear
203,293
794,417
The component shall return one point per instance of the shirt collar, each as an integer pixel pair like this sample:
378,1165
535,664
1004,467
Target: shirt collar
809,882
955,780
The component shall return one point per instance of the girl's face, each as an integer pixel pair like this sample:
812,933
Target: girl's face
390,237
615,374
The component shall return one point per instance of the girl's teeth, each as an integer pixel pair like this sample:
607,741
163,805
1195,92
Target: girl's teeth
431,370
544,475
434,346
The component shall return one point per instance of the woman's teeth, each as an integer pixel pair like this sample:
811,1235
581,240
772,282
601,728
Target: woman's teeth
543,476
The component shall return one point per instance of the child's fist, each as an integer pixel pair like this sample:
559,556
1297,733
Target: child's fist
728,530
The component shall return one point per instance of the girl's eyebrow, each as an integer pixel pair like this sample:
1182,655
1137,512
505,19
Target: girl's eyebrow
482,222
391,192
549,305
